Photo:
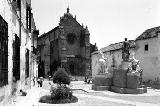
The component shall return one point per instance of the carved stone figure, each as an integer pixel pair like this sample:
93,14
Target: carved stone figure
134,65
102,63
125,50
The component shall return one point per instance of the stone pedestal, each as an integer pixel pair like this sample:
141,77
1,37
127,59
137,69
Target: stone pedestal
100,88
128,90
117,89
135,91
122,81
127,83
133,80
120,78
124,65
101,82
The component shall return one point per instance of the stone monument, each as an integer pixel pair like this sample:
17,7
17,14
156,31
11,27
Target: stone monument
128,78
120,74
125,79
125,55
134,75
125,50
102,81
103,67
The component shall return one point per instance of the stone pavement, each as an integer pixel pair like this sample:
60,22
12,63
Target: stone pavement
152,96
93,98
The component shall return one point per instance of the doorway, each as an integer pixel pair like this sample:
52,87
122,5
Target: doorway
71,69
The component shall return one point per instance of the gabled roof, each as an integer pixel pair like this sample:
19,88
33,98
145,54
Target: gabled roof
45,34
149,33
117,46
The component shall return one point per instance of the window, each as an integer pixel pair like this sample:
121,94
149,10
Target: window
27,63
146,47
71,37
16,4
28,18
16,58
19,3
3,52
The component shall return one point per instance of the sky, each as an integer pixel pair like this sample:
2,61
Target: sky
108,21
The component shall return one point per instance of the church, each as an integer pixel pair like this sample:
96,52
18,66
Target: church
67,45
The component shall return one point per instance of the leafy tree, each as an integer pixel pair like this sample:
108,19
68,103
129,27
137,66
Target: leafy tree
61,77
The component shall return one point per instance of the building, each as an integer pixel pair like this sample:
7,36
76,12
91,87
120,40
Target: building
148,52
146,48
17,47
67,45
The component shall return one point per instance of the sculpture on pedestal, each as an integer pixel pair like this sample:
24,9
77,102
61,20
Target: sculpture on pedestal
102,63
134,65
102,81
125,50
134,75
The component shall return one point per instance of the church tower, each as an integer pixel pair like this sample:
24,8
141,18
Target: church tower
87,43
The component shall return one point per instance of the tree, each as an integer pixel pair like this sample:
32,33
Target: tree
61,77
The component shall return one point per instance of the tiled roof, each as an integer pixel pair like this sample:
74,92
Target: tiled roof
117,46
45,34
149,33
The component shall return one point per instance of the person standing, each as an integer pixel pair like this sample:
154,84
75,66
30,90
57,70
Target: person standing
38,82
41,81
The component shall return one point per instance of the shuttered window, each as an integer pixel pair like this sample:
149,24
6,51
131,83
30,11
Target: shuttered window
3,52
27,63
16,58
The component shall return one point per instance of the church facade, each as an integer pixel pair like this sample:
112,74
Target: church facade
67,45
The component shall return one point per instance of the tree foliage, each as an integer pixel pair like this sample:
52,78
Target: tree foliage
61,77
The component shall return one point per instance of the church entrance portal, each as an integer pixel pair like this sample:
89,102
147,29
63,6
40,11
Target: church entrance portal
41,69
71,69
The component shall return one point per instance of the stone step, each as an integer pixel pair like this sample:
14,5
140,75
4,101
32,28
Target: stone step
100,88
128,90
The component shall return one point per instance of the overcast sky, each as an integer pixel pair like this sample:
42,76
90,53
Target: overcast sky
109,21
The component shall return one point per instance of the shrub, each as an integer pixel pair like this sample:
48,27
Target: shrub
47,99
61,93
61,77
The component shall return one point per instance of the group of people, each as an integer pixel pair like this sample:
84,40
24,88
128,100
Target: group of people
38,80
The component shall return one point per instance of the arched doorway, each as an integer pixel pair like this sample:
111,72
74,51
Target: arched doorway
41,69
71,69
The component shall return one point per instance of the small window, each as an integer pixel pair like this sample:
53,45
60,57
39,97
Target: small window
146,47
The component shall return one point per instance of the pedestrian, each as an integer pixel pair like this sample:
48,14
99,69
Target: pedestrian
49,77
41,81
34,81
38,82
23,93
